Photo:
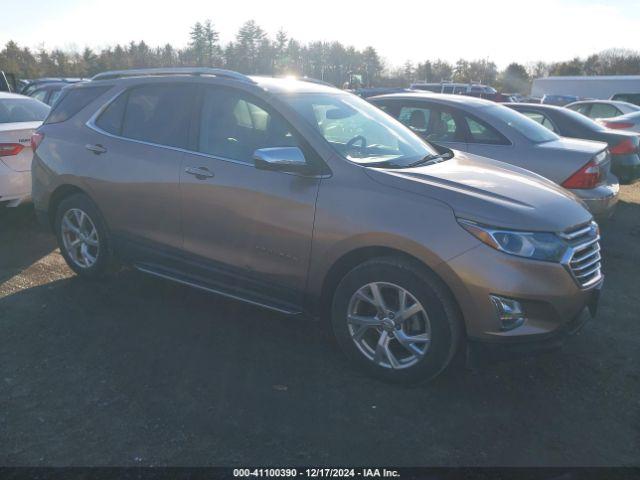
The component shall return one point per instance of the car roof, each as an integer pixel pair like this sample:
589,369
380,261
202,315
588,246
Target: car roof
46,86
293,85
277,85
540,106
608,102
444,98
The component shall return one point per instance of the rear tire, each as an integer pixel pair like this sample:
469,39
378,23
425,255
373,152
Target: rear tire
415,334
83,237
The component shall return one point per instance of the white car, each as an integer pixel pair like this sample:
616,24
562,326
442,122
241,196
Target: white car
19,117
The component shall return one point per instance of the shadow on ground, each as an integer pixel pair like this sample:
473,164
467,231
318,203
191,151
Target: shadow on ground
134,370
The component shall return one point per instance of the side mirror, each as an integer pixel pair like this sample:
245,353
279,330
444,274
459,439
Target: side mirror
281,159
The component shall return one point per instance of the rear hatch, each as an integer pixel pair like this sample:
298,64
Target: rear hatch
15,145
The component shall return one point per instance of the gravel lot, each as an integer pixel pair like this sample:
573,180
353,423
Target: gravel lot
137,371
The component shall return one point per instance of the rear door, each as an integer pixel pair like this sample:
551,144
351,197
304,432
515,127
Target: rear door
250,228
133,156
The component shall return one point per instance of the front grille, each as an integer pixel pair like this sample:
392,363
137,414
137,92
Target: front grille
585,260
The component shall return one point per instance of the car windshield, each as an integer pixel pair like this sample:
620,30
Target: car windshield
22,110
523,125
360,132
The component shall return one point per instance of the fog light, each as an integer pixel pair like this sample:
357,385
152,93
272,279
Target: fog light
510,312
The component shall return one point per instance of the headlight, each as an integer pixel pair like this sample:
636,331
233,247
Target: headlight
537,245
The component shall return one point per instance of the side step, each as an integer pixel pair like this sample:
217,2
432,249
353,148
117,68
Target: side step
174,277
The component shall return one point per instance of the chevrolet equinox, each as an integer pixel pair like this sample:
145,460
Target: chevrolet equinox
307,200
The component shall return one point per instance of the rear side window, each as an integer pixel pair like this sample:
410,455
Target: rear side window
603,110
158,114
480,132
73,101
111,119
22,110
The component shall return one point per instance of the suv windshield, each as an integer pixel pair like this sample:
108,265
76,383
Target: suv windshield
22,110
522,124
360,132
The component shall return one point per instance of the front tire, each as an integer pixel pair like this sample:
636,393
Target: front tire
396,320
82,236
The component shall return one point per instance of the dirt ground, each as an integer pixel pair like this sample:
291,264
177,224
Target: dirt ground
138,371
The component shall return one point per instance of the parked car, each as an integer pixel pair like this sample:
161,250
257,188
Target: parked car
623,146
602,108
19,117
371,92
309,201
629,122
495,131
456,88
627,97
559,100
39,82
48,92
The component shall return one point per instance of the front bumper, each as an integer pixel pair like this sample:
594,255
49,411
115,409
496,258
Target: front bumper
601,201
549,294
15,187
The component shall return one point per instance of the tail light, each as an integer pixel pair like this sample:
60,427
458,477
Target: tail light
624,147
617,125
587,177
36,139
10,149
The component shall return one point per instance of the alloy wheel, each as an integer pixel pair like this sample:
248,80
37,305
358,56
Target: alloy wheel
389,325
80,238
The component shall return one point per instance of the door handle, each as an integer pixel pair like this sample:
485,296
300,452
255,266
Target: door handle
201,173
97,149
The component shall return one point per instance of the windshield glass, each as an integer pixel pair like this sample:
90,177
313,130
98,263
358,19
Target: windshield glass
22,110
522,124
360,132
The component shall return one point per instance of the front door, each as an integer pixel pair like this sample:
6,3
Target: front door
251,228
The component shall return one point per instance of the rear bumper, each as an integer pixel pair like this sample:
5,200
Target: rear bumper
15,187
601,201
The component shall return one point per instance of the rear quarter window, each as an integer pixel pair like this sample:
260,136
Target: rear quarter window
72,101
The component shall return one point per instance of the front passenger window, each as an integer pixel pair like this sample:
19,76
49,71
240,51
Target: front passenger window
234,127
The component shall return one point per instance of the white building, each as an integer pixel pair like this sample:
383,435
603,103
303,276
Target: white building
601,87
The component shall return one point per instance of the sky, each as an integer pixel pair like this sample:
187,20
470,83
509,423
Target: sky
502,31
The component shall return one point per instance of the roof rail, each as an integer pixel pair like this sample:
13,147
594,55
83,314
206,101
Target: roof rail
138,72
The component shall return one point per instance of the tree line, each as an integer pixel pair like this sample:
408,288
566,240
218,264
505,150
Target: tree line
253,51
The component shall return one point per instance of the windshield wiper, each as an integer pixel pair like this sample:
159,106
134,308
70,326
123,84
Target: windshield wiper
430,159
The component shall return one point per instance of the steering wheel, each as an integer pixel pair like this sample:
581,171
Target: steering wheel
351,144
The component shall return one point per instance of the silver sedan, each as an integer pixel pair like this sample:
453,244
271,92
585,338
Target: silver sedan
492,130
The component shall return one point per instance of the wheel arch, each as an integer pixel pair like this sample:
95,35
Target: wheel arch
59,194
357,256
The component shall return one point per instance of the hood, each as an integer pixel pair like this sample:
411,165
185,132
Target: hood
490,192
